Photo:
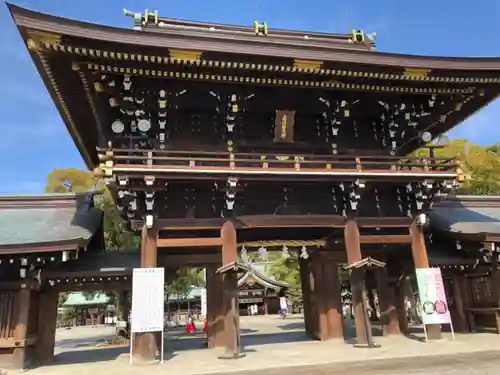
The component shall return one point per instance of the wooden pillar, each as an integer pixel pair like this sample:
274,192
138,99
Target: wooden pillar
230,289
331,322
387,303
353,248
47,323
460,324
400,291
147,343
20,356
420,260
215,316
318,297
495,277
306,294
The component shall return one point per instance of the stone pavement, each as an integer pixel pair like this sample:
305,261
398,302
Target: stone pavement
269,342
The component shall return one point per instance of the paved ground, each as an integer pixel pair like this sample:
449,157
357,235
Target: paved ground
478,363
280,346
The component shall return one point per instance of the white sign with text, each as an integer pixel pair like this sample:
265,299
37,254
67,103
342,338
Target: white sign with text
148,289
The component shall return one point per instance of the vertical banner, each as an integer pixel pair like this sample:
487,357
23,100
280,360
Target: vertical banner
433,302
204,301
148,294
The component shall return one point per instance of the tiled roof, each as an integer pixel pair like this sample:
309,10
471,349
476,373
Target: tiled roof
30,219
257,272
105,263
79,299
467,215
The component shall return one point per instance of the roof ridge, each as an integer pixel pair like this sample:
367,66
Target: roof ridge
151,19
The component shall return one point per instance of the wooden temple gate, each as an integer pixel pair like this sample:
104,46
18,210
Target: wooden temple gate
29,305
258,134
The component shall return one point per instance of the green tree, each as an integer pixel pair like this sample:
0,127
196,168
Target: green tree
287,270
480,165
183,282
72,180
61,298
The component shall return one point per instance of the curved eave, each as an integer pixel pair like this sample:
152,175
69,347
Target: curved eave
458,117
263,280
43,247
90,160
242,44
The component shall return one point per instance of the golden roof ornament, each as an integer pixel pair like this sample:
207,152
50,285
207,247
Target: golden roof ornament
260,28
142,19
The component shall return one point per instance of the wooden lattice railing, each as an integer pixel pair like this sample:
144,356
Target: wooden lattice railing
132,160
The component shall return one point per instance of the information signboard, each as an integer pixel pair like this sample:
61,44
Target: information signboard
148,290
433,302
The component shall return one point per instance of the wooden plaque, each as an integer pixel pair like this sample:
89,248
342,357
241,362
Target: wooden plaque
284,125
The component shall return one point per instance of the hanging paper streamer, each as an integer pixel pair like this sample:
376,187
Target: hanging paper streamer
284,252
244,255
263,253
303,253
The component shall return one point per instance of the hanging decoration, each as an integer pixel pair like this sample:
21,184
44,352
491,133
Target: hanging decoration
263,253
284,252
303,253
244,255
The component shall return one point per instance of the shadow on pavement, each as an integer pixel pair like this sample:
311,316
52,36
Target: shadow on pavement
89,355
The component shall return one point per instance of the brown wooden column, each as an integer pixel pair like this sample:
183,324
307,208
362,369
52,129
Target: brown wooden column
461,324
147,343
400,291
215,316
387,303
495,277
331,322
353,249
47,322
305,283
420,260
20,357
230,289
318,297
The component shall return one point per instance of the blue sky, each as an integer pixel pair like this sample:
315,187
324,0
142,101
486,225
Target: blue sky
35,140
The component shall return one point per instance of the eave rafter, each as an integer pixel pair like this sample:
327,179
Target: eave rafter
38,42
272,81
182,57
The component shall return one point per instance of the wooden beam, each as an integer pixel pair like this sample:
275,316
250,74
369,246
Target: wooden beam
189,260
384,222
282,221
6,343
385,239
122,285
19,284
189,242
